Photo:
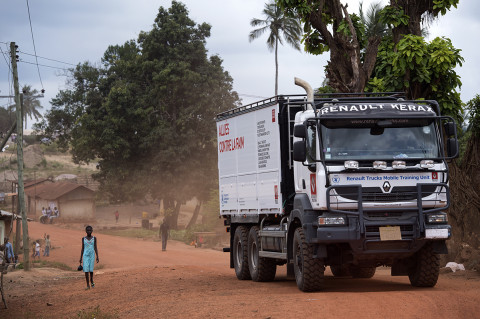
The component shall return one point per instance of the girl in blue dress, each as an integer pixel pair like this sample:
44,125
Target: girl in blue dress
89,250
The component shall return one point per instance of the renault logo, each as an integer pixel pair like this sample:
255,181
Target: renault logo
386,187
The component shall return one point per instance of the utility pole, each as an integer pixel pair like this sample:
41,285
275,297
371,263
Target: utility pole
19,140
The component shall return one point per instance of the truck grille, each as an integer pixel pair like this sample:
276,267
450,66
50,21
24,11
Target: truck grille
373,231
376,228
375,194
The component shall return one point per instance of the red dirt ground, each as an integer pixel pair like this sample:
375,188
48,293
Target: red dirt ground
135,279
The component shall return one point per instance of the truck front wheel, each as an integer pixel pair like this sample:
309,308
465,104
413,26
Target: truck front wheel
426,268
309,271
261,269
240,253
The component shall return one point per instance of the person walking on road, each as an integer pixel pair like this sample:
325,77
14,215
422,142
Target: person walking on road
116,216
89,250
164,228
46,251
8,251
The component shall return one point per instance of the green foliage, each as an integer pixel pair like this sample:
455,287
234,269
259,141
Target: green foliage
43,163
132,232
421,69
147,113
444,5
394,16
282,27
473,109
31,139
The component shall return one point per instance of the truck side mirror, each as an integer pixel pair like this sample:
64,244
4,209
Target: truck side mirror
452,147
299,130
299,151
450,128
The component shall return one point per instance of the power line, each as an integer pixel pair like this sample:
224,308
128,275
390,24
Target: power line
8,64
47,58
47,66
33,40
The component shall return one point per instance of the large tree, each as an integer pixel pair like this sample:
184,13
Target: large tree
281,26
147,113
330,27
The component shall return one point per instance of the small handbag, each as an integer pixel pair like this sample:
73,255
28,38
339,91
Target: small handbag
80,268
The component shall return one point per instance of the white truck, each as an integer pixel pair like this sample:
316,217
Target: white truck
352,182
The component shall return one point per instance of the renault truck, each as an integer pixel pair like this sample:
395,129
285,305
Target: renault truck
346,181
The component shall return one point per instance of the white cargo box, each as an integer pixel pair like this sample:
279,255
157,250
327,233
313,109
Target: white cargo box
249,162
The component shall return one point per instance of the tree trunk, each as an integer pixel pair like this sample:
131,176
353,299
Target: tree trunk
276,66
464,212
196,212
346,72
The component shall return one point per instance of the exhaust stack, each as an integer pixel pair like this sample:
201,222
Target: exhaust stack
304,84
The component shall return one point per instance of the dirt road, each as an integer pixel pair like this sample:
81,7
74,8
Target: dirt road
137,280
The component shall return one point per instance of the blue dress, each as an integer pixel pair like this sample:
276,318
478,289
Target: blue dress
88,254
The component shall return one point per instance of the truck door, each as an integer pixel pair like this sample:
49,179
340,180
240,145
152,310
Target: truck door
305,173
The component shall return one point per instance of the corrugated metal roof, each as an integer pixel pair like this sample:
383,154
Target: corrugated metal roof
28,184
53,190
9,215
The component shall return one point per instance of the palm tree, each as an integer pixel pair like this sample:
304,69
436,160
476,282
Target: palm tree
277,22
31,104
371,21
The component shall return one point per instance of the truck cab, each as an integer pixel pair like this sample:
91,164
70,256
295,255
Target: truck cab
371,174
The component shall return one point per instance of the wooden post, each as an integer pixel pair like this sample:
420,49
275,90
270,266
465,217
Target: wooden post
19,140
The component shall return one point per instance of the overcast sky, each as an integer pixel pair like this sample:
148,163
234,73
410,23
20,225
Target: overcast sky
75,31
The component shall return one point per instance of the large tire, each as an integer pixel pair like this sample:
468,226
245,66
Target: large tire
309,271
340,271
426,269
240,253
261,269
362,272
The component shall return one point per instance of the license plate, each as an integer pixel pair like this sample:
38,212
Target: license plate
436,233
390,233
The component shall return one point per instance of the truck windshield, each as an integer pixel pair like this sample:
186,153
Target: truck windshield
371,143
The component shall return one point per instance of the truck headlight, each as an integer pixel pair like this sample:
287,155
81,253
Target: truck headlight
427,164
399,165
351,164
331,221
380,165
437,218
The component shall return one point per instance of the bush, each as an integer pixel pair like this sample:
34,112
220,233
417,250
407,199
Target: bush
31,139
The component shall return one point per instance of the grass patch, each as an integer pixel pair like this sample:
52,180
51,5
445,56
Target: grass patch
95,313
50,264
46,264
178,235
132,232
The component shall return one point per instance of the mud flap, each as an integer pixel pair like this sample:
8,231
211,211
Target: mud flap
440,247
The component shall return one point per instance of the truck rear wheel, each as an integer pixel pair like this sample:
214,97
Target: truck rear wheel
426,269
362,272
240,253
309,271
261,269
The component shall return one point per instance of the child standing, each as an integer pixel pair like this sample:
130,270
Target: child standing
37,250
89,250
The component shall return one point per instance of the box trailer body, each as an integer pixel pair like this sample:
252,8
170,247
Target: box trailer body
347,182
